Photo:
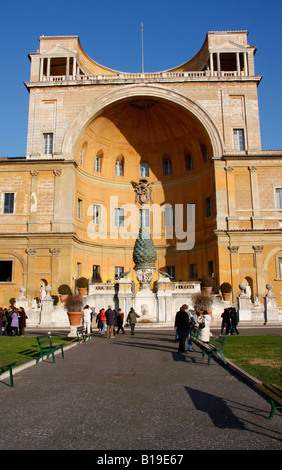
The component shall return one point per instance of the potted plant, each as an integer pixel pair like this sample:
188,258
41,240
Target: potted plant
64,291
82,284
226,290
73,306
202,301
207,284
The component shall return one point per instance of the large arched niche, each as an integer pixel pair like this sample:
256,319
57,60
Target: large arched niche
117,97
148,124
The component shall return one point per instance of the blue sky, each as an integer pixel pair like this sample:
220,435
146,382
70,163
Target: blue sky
110,33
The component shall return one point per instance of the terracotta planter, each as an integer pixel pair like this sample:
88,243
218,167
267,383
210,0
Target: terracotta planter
82,290
207,290
75,318
226,296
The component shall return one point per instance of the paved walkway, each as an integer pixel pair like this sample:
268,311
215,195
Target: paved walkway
134,393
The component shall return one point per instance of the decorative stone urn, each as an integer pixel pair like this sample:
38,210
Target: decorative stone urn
144,257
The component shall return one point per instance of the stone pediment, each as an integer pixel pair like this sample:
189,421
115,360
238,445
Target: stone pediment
228,46
59,51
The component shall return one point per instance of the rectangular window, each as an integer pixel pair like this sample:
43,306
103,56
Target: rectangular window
80,160
96,214
97,164
278,194
193,271
210,268
239,139
144,170
6,271
119,217
208,207
189,162
205,153
169,217
280,267
167,167
96,273
118,271
119,168
79,209
145,218
48,144
9,199
171,271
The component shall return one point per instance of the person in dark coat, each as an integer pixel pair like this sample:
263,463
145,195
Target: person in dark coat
22,320
111,322
234,321
225,321
182,324
120,318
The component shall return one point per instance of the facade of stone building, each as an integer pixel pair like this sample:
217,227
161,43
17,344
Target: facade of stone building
192,133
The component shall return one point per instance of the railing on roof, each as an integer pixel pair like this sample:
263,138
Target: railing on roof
142,76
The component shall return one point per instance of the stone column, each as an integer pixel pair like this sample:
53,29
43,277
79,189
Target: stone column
258,263
211,63
55,265
232,222
238,63
32,223
234,268
255,197
31,258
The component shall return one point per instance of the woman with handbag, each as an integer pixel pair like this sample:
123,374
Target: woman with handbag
204,320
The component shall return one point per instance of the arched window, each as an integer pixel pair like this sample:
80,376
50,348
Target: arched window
188,161
205,153
167,167
98,161
119,166
82,153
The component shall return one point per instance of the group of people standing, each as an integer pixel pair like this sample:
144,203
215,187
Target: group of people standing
185,322
229,321
13,320
108,320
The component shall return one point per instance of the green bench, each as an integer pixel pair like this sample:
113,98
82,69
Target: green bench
194,334
47,347
81,334
274,394
7,367
215,350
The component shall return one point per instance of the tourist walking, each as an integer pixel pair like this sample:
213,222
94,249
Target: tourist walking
182,325
14,323
120,318
204,320
132,319
225,321
234,321
22,321
87,312
103,321
192,324
111,321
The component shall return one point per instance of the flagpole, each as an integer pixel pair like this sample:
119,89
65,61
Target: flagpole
142,48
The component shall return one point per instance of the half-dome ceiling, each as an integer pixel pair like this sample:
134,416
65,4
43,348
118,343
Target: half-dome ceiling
143,122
